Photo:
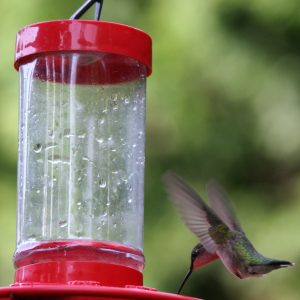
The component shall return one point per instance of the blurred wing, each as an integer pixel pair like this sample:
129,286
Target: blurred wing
196,215
221,205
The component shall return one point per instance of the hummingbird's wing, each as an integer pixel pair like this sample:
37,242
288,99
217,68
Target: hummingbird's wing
222,206
196,215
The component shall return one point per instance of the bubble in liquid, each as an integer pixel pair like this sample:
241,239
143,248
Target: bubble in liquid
126,101
102,121
129,200
99,141
63,224
37,148
102,183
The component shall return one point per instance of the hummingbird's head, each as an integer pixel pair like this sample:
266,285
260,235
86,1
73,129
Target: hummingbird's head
260,269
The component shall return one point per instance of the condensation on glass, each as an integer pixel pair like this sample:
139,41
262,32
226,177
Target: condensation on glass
81,150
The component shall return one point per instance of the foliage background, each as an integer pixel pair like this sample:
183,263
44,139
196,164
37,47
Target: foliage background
223,102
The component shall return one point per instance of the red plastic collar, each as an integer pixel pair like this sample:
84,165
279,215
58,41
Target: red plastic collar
84,36
68,272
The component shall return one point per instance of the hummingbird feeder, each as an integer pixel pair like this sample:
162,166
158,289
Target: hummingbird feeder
81,161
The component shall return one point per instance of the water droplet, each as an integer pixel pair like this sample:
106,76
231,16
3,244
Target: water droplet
50,146
82,136
37,148
63,224
134,146
124,180
79,179
99,141
114,103
102,183
32,237
51,133
67,133
140,134
57,159
38,191
129,200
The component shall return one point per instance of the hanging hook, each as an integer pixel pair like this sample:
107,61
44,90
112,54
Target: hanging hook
98,9
86,6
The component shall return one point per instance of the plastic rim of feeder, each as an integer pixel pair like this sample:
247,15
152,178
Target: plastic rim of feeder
82,36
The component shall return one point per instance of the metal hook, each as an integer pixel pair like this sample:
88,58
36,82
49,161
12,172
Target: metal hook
86,6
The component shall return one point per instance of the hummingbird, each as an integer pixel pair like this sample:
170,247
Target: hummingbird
219,231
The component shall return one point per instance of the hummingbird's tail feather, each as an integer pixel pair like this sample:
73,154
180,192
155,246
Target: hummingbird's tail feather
187,275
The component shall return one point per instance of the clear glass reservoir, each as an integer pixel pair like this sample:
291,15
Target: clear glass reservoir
81,155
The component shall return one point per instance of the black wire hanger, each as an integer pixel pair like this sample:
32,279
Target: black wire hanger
86,6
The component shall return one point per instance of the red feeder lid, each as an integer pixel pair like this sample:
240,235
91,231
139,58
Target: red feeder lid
83,36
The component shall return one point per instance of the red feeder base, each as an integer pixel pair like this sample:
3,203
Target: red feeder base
84,292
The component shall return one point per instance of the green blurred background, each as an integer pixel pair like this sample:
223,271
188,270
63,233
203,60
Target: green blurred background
223,103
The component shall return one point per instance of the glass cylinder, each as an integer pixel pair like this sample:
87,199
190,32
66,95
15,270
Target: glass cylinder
81,157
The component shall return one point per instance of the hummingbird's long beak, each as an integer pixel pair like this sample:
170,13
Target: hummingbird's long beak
187,275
